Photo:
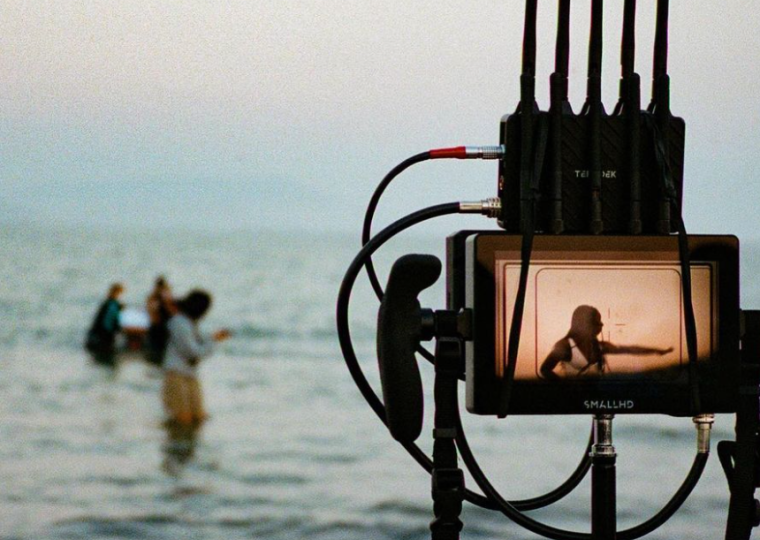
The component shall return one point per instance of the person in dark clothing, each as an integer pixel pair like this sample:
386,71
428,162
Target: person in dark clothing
160,307
101,338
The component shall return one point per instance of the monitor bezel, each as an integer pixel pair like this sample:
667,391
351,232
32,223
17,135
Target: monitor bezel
472,257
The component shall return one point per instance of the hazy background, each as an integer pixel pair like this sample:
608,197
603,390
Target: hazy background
121,119
285,114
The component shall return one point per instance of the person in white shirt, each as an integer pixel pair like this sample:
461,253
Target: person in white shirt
187,346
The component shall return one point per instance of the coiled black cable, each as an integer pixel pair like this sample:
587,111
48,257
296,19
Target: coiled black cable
344,334
583,467
492,499
542,501
344,337
697,467
369,214
347,284
554,533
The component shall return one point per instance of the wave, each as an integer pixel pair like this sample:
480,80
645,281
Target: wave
160,526
249,331
261,479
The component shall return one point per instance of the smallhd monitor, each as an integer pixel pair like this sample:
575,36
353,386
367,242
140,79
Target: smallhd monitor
603,323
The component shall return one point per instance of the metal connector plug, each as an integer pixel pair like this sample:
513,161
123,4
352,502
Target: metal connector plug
488,207
468,152
603,447
485,152
703,423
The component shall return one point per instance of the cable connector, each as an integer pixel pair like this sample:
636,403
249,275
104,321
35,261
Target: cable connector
468,152
488,207
703,423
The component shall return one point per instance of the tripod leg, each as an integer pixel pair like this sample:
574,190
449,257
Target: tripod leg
448,478
742,480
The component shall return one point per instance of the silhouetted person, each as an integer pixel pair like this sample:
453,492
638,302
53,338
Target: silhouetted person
581,354
101,338
160,307
182,395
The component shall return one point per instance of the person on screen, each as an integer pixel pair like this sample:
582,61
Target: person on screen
101,337
185,349
160,307
581,354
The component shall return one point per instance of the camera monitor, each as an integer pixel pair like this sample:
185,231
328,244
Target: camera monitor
603,323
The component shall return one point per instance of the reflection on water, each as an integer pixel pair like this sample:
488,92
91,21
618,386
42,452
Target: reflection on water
291,450
179,448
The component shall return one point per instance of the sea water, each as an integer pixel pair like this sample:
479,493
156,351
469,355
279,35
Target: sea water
291,450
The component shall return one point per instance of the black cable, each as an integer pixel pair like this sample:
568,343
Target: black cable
369,214
554,533
559,106
352,362
531,177
595,113
583,467
688,308
541,501
695,473
349,279
493,501
513,342
671,195
505,507
344,334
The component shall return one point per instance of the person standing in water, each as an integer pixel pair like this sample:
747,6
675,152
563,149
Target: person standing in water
101,337
160,307
182,396
581,354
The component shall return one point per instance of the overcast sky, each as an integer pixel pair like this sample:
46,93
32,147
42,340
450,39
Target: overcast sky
286,113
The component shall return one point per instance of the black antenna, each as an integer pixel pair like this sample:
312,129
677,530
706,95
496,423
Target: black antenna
562,52
527,105
660,78
530,172
627,54
595,110
628,49
559,106
660,109
660,105
630,104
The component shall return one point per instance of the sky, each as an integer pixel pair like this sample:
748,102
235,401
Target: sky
286,114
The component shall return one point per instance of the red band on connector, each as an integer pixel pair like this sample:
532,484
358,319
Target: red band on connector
457,152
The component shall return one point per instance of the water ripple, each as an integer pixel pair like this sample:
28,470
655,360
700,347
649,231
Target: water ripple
291,450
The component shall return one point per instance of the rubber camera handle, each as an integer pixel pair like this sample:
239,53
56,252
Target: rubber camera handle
399,327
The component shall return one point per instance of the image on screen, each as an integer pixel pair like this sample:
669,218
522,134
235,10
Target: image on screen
585,319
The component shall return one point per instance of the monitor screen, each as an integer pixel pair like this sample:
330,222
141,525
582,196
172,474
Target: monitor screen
587,319
603,323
